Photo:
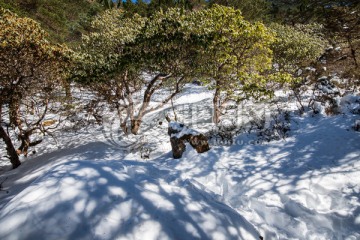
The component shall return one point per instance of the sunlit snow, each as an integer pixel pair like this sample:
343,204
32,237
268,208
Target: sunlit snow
305,186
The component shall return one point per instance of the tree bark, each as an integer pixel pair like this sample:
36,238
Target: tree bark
135,126
14,108
26,143
353,51
150,89
10,149
67,88
216,104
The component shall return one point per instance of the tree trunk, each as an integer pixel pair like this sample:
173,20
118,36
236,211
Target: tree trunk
216,104
14,108
150,89
23,149
25,143
353,51
135,126
14,158
67,88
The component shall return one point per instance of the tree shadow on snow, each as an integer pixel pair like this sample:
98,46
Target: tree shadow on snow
244,174
82,199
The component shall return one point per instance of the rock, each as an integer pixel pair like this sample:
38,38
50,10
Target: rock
200,143
178,147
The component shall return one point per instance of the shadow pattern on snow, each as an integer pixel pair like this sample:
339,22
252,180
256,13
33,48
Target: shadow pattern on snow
290,185
108,199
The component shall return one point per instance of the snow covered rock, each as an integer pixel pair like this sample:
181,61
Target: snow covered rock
178,147
199,143
179,134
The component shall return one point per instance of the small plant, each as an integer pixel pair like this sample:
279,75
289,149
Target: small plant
325,97
224,134
145,152
277,127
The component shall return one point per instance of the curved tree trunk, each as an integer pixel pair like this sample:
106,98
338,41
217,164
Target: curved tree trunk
26,143
10,149
353,51
14,158
150,89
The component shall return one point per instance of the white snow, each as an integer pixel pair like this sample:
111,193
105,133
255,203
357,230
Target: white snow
89,193
181,130
305,186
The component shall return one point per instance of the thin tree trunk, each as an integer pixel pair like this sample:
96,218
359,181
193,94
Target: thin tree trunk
25,143
14,158
123,124
67,87
14,108
216,104
353,52
150,89
173,108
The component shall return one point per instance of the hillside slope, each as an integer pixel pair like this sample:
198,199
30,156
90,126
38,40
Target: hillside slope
64,20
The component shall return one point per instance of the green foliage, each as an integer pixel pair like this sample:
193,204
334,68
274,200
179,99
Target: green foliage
102,53
155,44
341,27
109,3
28,60
232,55
307,11
139,7
30,66
163,5
10,6
64,20
296,46
24,48
166,44
252,10
216,43
237,52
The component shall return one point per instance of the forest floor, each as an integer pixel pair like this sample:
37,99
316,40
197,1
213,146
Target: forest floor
94,184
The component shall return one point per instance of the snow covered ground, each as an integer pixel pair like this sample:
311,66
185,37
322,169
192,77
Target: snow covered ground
305,186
